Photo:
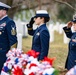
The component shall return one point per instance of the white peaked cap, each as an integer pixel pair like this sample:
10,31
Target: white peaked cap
41,12
74,18
4,5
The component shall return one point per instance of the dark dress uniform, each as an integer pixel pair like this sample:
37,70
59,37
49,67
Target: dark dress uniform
40,41
71,58
8,38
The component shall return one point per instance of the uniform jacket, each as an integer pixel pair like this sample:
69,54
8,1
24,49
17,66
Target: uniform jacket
40,41
71,59
7,33
7,37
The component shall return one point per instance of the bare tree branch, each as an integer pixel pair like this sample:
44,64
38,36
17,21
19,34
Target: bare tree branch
66,3
27,5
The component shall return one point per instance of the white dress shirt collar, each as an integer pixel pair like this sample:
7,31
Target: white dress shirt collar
3,17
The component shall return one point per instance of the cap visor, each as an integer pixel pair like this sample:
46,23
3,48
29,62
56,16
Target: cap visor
73,21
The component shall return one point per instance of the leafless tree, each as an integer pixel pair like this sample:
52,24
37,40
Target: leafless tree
51,5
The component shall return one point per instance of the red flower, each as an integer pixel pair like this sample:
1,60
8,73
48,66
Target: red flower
49,60
24,63
31,73
17,71
32,64
33,53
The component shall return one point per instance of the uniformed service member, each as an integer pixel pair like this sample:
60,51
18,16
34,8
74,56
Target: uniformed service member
71,58
40,41
8,39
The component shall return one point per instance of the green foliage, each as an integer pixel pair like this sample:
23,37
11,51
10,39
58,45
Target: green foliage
56,72
65,13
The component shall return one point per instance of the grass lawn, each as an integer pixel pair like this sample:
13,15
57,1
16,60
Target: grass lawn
57,49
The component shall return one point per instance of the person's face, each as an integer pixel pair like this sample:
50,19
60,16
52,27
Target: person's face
38,20
74,26
2,13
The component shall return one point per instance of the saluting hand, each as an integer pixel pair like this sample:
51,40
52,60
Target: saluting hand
74,40
69,24
30,24
31,21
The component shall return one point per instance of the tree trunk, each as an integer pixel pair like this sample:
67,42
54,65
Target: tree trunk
12,12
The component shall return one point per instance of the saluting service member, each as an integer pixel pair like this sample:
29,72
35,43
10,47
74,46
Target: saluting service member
71,58
8,39
40,41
